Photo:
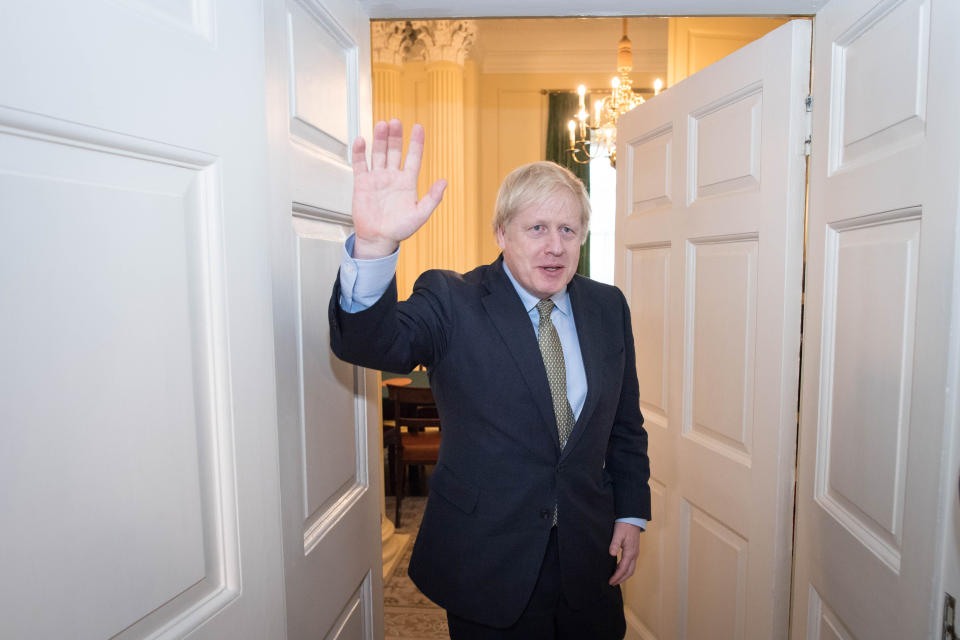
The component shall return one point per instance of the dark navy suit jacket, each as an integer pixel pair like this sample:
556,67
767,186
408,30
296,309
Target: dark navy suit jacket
501,470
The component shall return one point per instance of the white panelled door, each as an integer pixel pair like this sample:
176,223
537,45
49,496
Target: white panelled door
879,386
138,484
318,101
709,238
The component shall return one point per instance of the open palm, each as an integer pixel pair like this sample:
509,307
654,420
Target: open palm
386,209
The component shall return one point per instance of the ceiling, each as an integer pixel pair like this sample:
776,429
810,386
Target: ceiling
567,45
512,8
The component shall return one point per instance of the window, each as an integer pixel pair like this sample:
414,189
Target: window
603,201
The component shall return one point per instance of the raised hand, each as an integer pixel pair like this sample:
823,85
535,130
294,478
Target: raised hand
385,205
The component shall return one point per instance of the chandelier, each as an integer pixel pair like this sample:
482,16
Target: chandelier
598,138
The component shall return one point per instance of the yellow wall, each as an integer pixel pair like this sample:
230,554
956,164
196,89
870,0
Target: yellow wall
505,122
513,126
695,43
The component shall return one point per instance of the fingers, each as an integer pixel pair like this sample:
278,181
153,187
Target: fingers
628,560
616,544
378,157
626,542
415,150
624,571
394,143
432,198
359,159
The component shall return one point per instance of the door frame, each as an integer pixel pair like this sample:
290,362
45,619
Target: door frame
434,9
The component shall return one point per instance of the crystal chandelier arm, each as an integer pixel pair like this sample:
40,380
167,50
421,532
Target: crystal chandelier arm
598,138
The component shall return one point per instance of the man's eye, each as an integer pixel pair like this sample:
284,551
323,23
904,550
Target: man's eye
537,227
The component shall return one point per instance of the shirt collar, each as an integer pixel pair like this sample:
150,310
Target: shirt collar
561,299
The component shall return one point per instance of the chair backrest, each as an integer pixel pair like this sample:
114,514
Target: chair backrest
414,407
411,395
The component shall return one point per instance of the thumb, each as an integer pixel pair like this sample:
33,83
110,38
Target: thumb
615,545
432,198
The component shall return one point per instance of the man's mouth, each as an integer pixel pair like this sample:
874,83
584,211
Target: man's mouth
552,269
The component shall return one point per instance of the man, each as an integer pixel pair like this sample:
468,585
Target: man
542,476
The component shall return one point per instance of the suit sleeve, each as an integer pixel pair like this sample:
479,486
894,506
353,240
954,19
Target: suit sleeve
627,461
392,335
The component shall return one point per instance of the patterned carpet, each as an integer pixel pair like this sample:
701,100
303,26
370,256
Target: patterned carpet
408,614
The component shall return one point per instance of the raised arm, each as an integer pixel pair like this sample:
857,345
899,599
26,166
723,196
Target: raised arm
385,205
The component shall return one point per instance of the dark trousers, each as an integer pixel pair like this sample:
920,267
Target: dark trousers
548,615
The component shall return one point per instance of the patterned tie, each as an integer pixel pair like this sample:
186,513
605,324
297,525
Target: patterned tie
552,354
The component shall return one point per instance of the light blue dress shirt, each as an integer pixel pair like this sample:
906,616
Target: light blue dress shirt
362,282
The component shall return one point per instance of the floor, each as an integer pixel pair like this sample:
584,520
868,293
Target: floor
408,614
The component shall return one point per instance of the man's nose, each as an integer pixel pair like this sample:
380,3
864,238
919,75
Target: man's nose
555,244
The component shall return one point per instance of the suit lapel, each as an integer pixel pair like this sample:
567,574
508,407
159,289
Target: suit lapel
586,316
507,314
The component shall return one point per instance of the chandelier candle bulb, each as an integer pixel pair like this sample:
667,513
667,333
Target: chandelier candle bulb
606,111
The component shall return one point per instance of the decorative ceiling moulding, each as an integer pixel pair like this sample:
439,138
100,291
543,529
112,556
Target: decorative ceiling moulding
390,40
568,61
442,40
409,9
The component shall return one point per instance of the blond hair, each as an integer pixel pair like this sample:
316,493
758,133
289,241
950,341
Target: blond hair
535,182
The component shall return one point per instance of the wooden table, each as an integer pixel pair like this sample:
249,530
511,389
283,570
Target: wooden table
412,378
416,378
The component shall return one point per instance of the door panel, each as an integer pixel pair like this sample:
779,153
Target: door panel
318,102
882,232
710,230
139,482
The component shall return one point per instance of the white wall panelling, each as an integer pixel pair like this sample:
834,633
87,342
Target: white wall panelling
822,623
867,120
197,16
720,344
711,259
650,158
325,98
458,8
724,145
356,619
139,466
323,67
872,497
335,469
870,295
649,289
150,404
318,102
645,618
716,580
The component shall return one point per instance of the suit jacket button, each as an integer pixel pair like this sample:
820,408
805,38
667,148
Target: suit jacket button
544,513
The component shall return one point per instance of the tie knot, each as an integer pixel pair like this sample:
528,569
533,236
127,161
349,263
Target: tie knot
545,306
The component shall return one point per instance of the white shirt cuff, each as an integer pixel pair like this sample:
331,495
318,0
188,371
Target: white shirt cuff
637,522
362,282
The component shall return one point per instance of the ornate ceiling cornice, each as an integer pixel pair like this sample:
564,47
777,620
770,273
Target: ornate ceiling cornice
390,41
442,40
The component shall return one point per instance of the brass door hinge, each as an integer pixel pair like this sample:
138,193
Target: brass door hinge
949,617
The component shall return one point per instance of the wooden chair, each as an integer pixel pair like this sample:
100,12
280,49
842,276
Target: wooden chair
415,409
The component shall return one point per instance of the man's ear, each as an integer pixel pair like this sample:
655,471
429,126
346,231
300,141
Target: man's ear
500,238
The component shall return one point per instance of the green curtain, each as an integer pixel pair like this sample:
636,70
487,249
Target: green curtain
563,106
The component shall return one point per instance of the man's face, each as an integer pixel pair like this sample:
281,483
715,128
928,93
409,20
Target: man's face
541,244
